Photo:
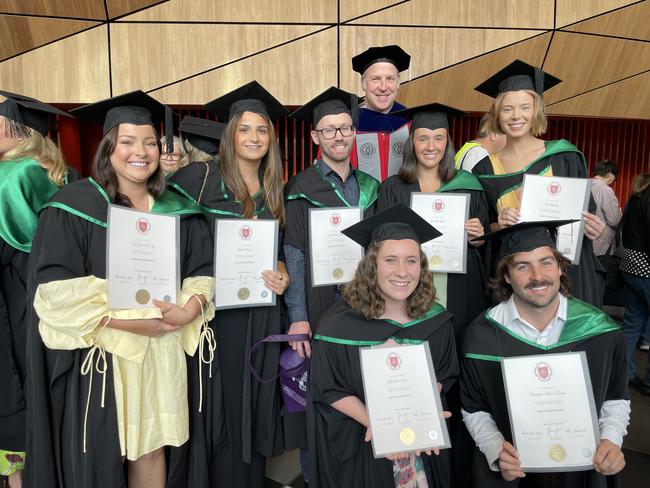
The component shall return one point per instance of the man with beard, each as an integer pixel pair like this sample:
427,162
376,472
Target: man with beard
330,182
537,315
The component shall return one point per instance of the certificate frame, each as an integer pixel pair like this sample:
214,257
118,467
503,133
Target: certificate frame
140,220
554,448
404,430
438,205
555,184
346,272
246,297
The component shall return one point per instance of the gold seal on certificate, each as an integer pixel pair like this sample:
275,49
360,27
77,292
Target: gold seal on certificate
434,261
243,293
337,273
142,296
407,436
557,453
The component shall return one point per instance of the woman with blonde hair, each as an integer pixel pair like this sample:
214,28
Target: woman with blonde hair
32,169
246,183
518,111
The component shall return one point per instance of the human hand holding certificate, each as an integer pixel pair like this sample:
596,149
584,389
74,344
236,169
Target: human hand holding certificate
552,411
334,257
447,212
402,399
558,198
141,258
243,249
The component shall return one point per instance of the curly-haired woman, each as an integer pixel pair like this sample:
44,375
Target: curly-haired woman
390,300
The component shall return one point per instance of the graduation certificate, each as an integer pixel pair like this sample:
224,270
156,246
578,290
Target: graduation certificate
558,198
334,256
242,250
552,411
447,212
402,399
141,258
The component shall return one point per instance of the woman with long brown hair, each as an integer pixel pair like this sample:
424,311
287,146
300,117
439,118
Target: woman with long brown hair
246,183
108,386
390,301
32,169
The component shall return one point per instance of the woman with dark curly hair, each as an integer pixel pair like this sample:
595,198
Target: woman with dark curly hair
390,300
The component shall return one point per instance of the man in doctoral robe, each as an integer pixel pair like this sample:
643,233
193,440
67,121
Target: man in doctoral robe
330,182
536,316
380,136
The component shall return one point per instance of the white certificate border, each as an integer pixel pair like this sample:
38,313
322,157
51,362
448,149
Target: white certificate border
311,253
177,238
585,207
467,196
275,261
592,410
436,394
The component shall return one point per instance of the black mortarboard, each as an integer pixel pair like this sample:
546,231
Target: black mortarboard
392,54
28,111
526,236
430,116
203,134
397,222
135,108
518,75
251,97
332,101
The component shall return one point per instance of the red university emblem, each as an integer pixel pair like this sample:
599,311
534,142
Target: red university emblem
143,226
335,220
438,206
554,188
245,232
394,360
543,371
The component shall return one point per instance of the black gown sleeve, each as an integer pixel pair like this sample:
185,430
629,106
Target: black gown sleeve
294,231
444,356
196,247
327,373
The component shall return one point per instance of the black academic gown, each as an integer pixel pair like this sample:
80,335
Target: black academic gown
251,409
587,279
486,342
309,189
339,455
71,242
24,189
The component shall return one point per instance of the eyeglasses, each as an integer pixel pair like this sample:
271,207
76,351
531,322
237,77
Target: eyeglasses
330,132
172,156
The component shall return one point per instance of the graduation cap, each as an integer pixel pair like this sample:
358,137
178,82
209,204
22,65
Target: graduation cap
397,222
518,75
526,236
135,108
392,54
332,101
430,116
28,111
203,134
252,97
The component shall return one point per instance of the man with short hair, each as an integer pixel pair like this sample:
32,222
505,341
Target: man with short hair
536,316
486,143
380,135
607,207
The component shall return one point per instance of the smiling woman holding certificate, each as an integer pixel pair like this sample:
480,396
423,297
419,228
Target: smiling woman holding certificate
390,301
245,184
106,384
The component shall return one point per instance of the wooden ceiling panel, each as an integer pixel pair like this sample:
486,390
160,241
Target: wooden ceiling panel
455,85
317,11
20,34
81,9
586,62
122,7
447,46
305,77
570,11
630,22
182,50
535,14
355,8
626,99
73,70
